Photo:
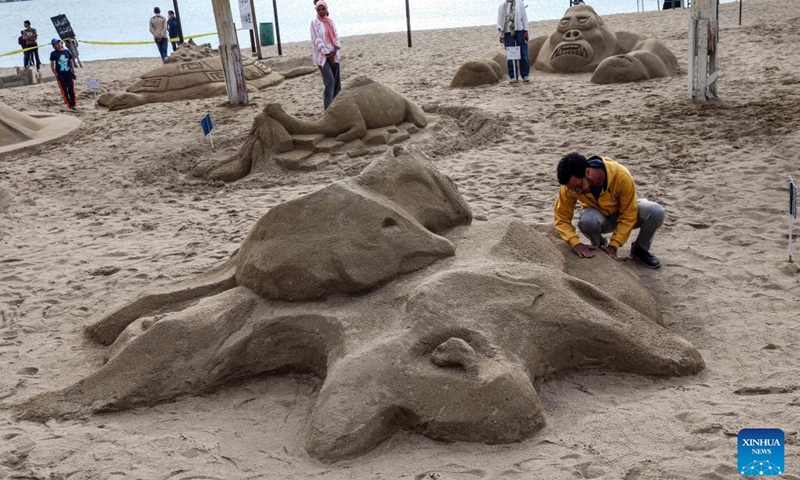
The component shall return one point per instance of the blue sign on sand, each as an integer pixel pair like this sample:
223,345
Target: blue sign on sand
792,199
206,124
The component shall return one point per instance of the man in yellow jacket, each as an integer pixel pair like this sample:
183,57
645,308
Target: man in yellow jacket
607,193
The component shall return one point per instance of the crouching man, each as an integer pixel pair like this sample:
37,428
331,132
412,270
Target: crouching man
607,193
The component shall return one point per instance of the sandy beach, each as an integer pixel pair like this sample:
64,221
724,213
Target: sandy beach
110,210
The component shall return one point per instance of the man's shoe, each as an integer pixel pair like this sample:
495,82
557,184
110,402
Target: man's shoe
526,79
513,80
648,260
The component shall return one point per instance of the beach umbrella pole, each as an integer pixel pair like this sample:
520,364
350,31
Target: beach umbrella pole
408,23
254,31
178,16
277,26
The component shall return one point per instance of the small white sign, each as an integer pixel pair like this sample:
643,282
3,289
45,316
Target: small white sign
246,14
93,83
513,53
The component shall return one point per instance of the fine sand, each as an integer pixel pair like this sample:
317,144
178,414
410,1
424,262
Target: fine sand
93,219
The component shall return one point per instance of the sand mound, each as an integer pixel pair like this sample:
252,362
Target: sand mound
21,130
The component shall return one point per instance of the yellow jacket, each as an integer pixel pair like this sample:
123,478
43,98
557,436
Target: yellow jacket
619,196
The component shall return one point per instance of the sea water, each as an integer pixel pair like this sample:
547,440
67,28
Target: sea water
120,21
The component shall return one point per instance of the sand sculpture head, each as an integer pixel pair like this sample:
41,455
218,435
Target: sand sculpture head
581,41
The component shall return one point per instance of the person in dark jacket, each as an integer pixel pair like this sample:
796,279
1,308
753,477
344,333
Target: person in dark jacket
30,36
174,30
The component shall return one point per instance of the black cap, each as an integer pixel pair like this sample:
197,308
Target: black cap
156,10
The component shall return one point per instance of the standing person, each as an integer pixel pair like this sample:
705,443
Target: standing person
174,31
607,194
325,45
512,21
63,66
158,27
30,36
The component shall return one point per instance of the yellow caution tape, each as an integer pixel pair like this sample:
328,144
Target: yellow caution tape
93,42
19,51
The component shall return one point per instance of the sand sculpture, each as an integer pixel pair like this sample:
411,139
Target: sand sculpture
21,130
362,106
448,346
583,42
192,71
487,70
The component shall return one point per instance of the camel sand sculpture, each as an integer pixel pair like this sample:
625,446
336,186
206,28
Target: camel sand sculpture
192,71
583,42
363,104
446,345
20,130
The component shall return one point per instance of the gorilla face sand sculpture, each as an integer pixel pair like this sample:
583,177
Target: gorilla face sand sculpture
362,105
450,349
583,42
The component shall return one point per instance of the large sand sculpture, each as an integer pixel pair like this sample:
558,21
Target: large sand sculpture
362,106
21,130
192,71
582,43
446,345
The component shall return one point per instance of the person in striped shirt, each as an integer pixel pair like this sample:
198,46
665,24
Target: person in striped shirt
325,46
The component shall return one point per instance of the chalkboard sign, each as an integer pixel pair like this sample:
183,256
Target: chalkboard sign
63,27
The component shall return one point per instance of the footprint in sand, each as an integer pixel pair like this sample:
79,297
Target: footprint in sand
452,472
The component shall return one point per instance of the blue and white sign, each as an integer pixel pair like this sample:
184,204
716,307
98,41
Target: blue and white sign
792,199
761,452
206,124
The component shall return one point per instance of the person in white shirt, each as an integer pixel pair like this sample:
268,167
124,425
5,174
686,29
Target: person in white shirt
158,27
325,46
512,21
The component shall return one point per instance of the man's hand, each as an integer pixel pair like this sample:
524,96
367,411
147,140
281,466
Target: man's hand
584,251
525,35
502,40
611,251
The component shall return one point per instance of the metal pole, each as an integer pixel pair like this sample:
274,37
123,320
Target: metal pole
740,12
178,16
277,27
254,31
408,23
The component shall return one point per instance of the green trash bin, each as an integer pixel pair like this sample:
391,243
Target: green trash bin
266,33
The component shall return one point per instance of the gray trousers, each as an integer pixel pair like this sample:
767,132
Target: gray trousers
593,223
333,84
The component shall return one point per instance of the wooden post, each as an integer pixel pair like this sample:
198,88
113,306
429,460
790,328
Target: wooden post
231,56
703,31
255,28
